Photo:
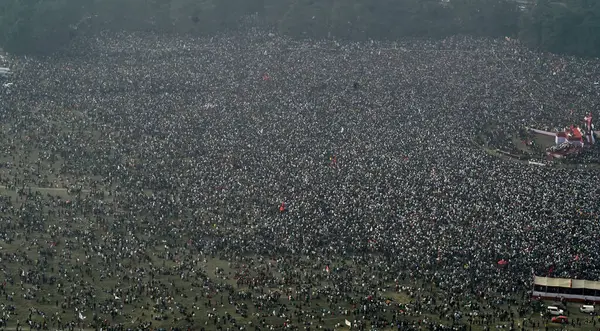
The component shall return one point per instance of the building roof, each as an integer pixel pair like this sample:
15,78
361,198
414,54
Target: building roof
576,133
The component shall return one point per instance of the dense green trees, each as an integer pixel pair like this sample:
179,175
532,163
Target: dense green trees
572,26
32,26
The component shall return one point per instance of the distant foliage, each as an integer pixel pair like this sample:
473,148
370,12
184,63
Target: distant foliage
569,26
43,26
29,26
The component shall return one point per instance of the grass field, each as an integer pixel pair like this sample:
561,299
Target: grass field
71,277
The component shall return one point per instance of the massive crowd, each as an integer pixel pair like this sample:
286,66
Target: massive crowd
330,175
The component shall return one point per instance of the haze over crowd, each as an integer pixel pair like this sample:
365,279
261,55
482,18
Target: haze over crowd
43,27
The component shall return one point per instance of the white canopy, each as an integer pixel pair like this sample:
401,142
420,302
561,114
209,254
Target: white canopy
566,282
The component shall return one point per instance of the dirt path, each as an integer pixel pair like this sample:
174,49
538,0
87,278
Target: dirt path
46,189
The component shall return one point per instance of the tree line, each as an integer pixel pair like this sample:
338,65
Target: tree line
44,26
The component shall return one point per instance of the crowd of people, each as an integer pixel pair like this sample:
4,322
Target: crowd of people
259,182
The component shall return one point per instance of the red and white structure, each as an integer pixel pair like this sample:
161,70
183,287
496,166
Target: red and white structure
571,140
573,135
